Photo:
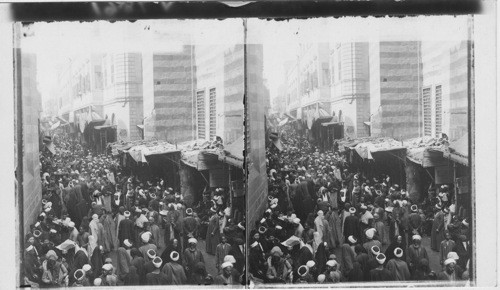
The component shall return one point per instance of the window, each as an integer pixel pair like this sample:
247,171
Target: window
213,111
200,113
439,111
427,112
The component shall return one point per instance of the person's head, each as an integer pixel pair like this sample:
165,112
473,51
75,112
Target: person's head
31,240
227,269
447,235
450,265
175,242
223,239
192,243
399,239
463,238
417,240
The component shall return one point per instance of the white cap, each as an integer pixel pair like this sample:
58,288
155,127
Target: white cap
375,250
229,258
278,227
226,264
263,220
126,213
107,267
352,210
127,243
273,206
452,255
86,267
352,239
145,237
157,262
310,263
370,233
303,270
417,237
449,261
321,278
97,282
151,253
398,252
174,256
331,263
192,241
381,258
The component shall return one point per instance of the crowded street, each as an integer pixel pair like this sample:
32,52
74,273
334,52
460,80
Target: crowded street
327,221
102,226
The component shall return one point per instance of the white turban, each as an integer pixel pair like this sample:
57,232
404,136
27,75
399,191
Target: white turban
230,259
310,263
145,237
449,261
86,267
192,241
226,264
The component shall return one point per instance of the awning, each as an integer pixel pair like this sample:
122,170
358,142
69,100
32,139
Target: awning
236,148
458,151
104,127
277,143
366,149
329,124
426,157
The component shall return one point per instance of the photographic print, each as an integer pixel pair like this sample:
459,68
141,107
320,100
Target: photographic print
367,152
131,136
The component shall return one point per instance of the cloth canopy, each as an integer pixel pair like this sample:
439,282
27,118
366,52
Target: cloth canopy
366,149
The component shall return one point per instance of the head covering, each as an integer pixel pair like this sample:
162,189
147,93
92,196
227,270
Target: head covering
192,241
331,263
79,274
381,258
370,233
226,264
262,229
151,253
416,237
310,264
452,255
375,250
126,213
127,243
174,256
230,259
352,239
276,251
303,270
321,278
352,210
398,252
414,208
97,282
189,211
107,267
465,223
145,237
449,261
157,262
86,267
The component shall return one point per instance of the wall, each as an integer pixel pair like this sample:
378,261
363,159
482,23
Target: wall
173,95
459,79
351,86
234,75
255,138
32,190
400,78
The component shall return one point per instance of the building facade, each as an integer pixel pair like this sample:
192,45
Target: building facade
308,81
350,87
234,91
395,81
31,110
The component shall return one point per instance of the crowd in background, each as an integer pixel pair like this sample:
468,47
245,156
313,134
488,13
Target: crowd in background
327,222
101,225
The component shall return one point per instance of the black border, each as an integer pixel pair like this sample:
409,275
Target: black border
114,11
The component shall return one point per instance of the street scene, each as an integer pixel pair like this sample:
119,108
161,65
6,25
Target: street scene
367,155
132,140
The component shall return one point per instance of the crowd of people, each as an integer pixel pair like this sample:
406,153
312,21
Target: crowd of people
103,226
328,222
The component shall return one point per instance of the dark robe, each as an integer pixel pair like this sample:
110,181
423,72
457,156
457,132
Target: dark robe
389,252
302,202
321,257
165,255
380,275
132,278
239,257
96,261
351,227
356,274
463,254
156,278
138,263
415,256
126,231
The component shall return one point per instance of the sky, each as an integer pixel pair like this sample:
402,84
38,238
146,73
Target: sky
281,38
57,42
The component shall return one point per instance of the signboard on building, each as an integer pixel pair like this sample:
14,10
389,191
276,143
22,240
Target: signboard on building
443,175
462,184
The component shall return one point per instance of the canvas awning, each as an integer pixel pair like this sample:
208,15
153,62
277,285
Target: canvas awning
458,151
233,153
426,157
366,149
